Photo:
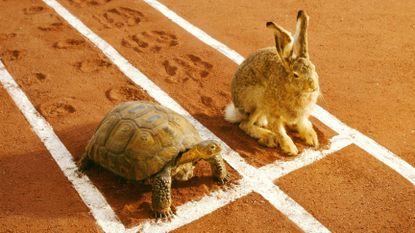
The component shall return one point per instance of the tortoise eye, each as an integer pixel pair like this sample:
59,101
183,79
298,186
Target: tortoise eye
212,147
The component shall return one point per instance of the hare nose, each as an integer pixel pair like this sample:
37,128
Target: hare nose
312,84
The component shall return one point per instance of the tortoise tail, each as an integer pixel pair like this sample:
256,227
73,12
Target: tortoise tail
84,163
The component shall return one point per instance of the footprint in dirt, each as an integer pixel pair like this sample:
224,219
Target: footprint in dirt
48,22
180,70
68,43
7,36
92,65
58,108
207,101
126,93
57,26
82,3
11,55
34,78
154,41
120,17
34,10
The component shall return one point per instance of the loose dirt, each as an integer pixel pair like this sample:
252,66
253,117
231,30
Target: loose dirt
73,86
251,213
363,65
350,191
35,196
363,51
181,65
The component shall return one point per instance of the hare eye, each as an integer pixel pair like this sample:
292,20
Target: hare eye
296,75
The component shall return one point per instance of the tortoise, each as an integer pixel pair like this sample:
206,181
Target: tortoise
145,141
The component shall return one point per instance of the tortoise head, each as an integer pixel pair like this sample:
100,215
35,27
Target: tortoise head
207,149
204,150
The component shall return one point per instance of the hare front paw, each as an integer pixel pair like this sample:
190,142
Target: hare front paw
311,138
268,140
287,145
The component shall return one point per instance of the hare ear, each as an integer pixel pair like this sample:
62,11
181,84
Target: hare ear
300,47
283,41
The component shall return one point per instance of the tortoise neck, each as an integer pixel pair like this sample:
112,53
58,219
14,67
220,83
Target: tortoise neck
189,155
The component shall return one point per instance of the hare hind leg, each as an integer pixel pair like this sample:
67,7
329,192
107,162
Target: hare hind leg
285,142
306,131
265,137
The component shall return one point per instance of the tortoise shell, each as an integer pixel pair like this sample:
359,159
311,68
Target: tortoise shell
138,139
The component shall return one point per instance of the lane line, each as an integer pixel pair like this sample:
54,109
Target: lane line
288,206
194,210
390,159
369,145
197,32
100,209
281,168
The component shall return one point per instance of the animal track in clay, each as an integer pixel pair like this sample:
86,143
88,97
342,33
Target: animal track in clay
34,78
51,27
152,40
7,36
162,37
89,2
33,10
120,17
92,65
189,67
58,108
126,93
207,101
11,55
224,94
69,43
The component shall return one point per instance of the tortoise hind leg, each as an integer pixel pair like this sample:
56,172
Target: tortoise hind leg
84,163
161,191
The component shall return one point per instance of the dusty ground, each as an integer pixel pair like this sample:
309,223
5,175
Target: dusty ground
364,67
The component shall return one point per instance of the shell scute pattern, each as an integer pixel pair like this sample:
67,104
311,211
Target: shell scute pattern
188,135
120,136
105,128
137,139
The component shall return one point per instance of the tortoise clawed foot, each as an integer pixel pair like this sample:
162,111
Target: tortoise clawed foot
223,180
163,214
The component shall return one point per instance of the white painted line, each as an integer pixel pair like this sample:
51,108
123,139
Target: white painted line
99,207
192,211
378,151
369,145
195,31
385,155
291,209
262,184
329,120
282,168
304,220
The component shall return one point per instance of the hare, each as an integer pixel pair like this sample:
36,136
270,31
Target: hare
275,88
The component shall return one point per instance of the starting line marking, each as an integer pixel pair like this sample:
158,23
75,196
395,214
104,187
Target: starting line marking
191,211
99,207
369,145
262,184
279,169
381,153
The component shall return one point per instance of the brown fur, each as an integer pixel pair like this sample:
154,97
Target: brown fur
276,87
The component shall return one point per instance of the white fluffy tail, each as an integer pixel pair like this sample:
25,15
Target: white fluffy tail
232,114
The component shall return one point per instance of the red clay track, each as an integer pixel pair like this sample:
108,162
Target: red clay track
363,54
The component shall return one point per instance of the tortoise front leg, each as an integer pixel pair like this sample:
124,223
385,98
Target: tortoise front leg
161,191
218,169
